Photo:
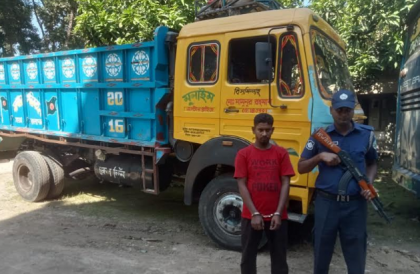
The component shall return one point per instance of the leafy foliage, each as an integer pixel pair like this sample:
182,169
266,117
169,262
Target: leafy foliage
56,20
16,31
104,22
373,31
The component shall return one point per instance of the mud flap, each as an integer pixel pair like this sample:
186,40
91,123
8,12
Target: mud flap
9,147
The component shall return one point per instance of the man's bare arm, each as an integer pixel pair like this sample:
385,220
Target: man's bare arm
371,170
284,194
246,197
257,221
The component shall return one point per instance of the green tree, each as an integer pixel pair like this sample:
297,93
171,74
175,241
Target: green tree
56,21
104,22
292,3
17,35
373,31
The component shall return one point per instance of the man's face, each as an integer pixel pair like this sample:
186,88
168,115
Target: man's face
342,116
263,133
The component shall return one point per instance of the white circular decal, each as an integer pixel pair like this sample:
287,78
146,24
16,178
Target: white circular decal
140,62
89,66
1,72
15,71
113,64
310,145
32,70
49,69
68,68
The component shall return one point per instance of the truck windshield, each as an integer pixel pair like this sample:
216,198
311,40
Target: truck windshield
331,65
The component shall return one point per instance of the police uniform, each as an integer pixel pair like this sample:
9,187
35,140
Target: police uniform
345,214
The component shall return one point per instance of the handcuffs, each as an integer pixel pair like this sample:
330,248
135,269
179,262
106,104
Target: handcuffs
266,216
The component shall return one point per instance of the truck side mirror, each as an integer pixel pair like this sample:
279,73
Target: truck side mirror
263,61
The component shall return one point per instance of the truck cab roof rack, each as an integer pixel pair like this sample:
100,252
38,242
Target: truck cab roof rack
223,8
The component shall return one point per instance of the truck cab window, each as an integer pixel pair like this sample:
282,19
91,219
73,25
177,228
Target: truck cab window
241,69
331,65
290,70
203,63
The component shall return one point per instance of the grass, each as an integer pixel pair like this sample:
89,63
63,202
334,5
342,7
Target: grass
401,205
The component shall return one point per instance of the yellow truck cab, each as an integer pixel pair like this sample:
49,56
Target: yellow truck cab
221,84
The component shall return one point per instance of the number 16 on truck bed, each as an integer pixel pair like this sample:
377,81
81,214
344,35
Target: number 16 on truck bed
115,127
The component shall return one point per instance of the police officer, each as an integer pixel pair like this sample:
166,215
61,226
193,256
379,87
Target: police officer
340,204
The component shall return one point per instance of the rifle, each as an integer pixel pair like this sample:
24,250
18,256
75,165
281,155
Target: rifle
321,136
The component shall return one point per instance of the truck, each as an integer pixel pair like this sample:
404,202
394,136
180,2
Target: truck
406,167
180,105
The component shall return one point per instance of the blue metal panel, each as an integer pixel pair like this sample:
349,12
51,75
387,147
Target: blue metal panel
161,59
31,72
34,109
52,117
91,121
113,69
2,74
4,108
89,68
18,115
108,94
48,69
140,103
67,67
14,72
139,61
69,111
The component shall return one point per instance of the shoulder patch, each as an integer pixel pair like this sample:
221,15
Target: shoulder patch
310,145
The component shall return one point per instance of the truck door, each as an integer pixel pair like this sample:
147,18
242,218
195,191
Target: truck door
197,84
243,95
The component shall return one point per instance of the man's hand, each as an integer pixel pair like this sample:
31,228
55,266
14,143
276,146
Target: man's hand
257,222
366,194
331,159
275,222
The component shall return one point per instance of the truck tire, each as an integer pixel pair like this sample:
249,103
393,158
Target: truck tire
220,210
31,176
56,177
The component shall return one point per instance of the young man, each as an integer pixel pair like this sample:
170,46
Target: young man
263,172
345,214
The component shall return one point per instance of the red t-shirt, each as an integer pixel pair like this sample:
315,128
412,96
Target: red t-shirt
263,170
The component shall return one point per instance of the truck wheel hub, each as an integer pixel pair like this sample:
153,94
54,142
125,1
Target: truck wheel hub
228,213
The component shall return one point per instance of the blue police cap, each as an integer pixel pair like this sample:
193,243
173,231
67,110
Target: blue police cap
344,98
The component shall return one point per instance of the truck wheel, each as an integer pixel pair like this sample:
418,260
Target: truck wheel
31,176
220,210
56,177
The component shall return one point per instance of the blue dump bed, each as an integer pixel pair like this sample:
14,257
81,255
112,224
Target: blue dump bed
114,94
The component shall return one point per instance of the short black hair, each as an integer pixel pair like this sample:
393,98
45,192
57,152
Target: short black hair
263,118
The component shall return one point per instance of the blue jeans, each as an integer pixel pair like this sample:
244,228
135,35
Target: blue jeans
348,219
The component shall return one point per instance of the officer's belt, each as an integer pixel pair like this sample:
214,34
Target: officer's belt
338,198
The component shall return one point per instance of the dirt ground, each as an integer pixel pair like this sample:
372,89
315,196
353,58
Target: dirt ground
103,228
